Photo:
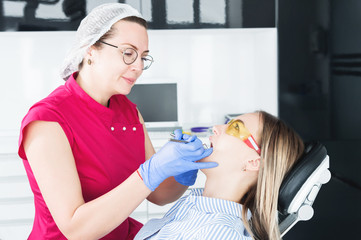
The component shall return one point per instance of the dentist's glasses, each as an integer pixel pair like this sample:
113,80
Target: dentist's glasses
130,55
237,129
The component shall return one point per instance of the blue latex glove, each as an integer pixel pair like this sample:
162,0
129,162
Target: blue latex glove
173,159
190,177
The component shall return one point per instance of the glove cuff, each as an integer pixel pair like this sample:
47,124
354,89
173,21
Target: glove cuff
139,174
145,175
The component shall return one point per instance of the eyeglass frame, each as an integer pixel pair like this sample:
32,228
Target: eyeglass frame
123,51
249,141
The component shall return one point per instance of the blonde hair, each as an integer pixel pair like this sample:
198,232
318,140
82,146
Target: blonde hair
280,147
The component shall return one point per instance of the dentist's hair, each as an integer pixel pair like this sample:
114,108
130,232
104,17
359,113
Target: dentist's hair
111,31
281,147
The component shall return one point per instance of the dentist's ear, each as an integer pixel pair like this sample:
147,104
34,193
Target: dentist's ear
254,164
89,51
89,55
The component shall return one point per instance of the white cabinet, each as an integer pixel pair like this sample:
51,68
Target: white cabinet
16,198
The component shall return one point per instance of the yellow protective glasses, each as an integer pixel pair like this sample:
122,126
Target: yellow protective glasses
237,129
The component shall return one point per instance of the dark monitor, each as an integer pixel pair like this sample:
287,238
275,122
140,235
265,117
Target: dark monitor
157,103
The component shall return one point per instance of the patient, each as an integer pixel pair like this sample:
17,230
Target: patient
239,200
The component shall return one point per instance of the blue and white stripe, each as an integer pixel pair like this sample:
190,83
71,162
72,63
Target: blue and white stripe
198,217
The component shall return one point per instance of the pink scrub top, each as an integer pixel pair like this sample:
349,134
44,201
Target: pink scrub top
107,144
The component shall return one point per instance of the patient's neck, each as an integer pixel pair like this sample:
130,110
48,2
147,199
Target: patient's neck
225,187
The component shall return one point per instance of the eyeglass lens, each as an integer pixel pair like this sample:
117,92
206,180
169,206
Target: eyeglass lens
130,55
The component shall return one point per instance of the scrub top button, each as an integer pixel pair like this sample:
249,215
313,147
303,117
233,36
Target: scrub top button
124,128
112,128
134,128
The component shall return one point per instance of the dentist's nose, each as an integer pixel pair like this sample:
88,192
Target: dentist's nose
137,64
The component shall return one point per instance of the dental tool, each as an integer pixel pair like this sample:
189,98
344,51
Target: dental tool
184,141
175,140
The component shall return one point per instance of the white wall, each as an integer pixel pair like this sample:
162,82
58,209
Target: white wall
219,71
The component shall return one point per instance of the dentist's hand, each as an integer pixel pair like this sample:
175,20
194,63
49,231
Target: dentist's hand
190,177
174,159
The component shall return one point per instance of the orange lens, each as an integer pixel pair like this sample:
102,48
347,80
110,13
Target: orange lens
237,129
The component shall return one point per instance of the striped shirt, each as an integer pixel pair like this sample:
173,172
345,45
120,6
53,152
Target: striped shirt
198,217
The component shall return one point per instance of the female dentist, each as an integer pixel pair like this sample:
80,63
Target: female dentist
84,146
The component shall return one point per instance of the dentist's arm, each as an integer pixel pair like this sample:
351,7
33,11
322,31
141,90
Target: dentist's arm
52,162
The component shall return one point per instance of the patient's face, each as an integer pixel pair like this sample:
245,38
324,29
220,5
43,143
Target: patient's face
229,151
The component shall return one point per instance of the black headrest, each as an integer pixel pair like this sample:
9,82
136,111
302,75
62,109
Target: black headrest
313,155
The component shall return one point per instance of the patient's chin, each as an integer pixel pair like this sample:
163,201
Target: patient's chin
206,159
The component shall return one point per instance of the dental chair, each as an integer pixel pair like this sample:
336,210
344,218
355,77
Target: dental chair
301,186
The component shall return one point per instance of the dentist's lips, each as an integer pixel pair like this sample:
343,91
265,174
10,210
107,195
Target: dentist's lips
129,80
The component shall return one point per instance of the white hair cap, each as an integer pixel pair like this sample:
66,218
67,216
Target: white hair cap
91,29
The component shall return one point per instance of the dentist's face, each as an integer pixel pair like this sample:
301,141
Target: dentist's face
116,76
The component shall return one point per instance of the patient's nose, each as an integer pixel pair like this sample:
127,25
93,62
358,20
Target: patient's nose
217,129
214,130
